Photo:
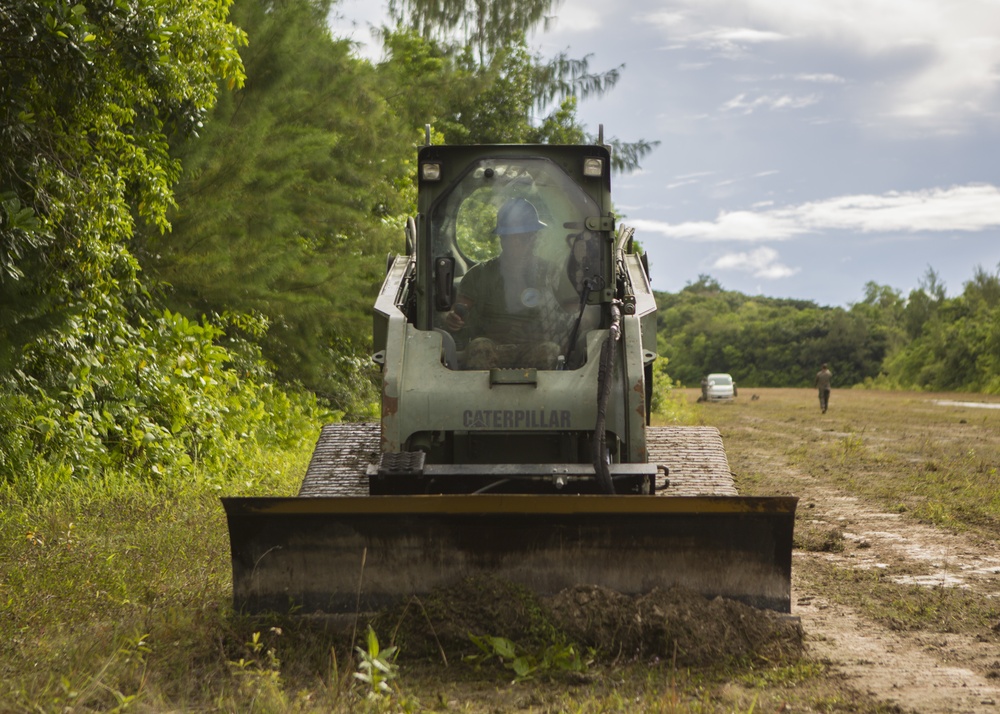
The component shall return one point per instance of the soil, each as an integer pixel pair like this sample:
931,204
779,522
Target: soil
919,671
675,625
924,672
850,550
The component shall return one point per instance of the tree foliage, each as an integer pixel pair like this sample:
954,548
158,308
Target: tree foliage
486,28
520,96
923,341
290,200
92,374
954,342
761,341
89,94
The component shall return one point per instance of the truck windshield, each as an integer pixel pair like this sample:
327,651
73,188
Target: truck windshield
516,229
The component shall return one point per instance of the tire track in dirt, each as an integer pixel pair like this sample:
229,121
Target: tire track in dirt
930,673
924,672
891,667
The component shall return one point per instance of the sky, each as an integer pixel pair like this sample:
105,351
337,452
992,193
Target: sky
806,148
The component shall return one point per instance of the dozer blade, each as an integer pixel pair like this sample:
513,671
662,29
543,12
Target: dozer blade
341,555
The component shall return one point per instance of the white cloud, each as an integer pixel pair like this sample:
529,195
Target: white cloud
942,58
688,179
822,78
731,42
961,208
695,174
741,104
761,263
733,225
579,19
975,207
665,19
741,35
815,78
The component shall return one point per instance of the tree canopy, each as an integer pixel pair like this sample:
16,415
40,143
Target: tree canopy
197,200
89,95
925,341
93,373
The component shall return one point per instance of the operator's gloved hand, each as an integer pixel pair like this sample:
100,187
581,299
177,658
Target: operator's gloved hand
455,319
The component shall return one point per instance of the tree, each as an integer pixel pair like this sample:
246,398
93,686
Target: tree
89,96
935,342
290,200
486,28
515,86
761,341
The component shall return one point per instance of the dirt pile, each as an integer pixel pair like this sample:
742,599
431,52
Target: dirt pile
675,622
662,623
443,620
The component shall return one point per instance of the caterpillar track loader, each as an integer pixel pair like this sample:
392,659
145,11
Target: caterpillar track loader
516,337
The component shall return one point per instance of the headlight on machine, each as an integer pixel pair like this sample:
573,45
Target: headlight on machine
593,167
430,171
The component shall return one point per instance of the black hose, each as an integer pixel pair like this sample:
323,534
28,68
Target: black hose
605,380
589,285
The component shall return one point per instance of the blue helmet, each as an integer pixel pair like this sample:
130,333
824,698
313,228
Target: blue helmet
517,216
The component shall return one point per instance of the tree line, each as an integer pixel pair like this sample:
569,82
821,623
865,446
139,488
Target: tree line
197,200
196,204
923,340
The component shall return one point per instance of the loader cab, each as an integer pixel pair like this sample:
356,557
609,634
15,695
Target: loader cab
514,250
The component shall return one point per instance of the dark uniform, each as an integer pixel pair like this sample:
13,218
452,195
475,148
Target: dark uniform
823,379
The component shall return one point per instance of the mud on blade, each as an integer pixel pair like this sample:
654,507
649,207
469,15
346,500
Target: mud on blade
306,554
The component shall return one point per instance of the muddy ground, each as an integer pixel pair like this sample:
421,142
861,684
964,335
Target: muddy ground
946,668
898,609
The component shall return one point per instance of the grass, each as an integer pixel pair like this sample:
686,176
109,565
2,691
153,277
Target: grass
117,593
938,464
115,596
900,451
907,607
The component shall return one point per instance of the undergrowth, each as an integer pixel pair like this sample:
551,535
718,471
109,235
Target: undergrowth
116,596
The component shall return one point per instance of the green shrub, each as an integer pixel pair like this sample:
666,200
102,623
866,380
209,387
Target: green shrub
164,400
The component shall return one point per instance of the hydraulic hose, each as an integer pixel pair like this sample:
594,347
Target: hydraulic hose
605,380
589,286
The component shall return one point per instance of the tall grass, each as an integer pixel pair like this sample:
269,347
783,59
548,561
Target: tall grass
115,594
116,590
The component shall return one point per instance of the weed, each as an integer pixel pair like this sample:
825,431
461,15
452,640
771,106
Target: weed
555,658
817,537
377,667
850,447
787,676
258,676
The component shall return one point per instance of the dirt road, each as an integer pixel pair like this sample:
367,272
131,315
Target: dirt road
875,587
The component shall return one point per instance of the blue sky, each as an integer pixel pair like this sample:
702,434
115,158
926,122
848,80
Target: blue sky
806,148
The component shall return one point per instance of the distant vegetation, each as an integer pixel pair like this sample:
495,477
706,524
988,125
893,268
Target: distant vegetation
923,341
196,205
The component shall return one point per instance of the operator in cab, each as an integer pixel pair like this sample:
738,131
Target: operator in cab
506,306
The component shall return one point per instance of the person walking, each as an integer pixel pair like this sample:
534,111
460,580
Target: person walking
823,379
